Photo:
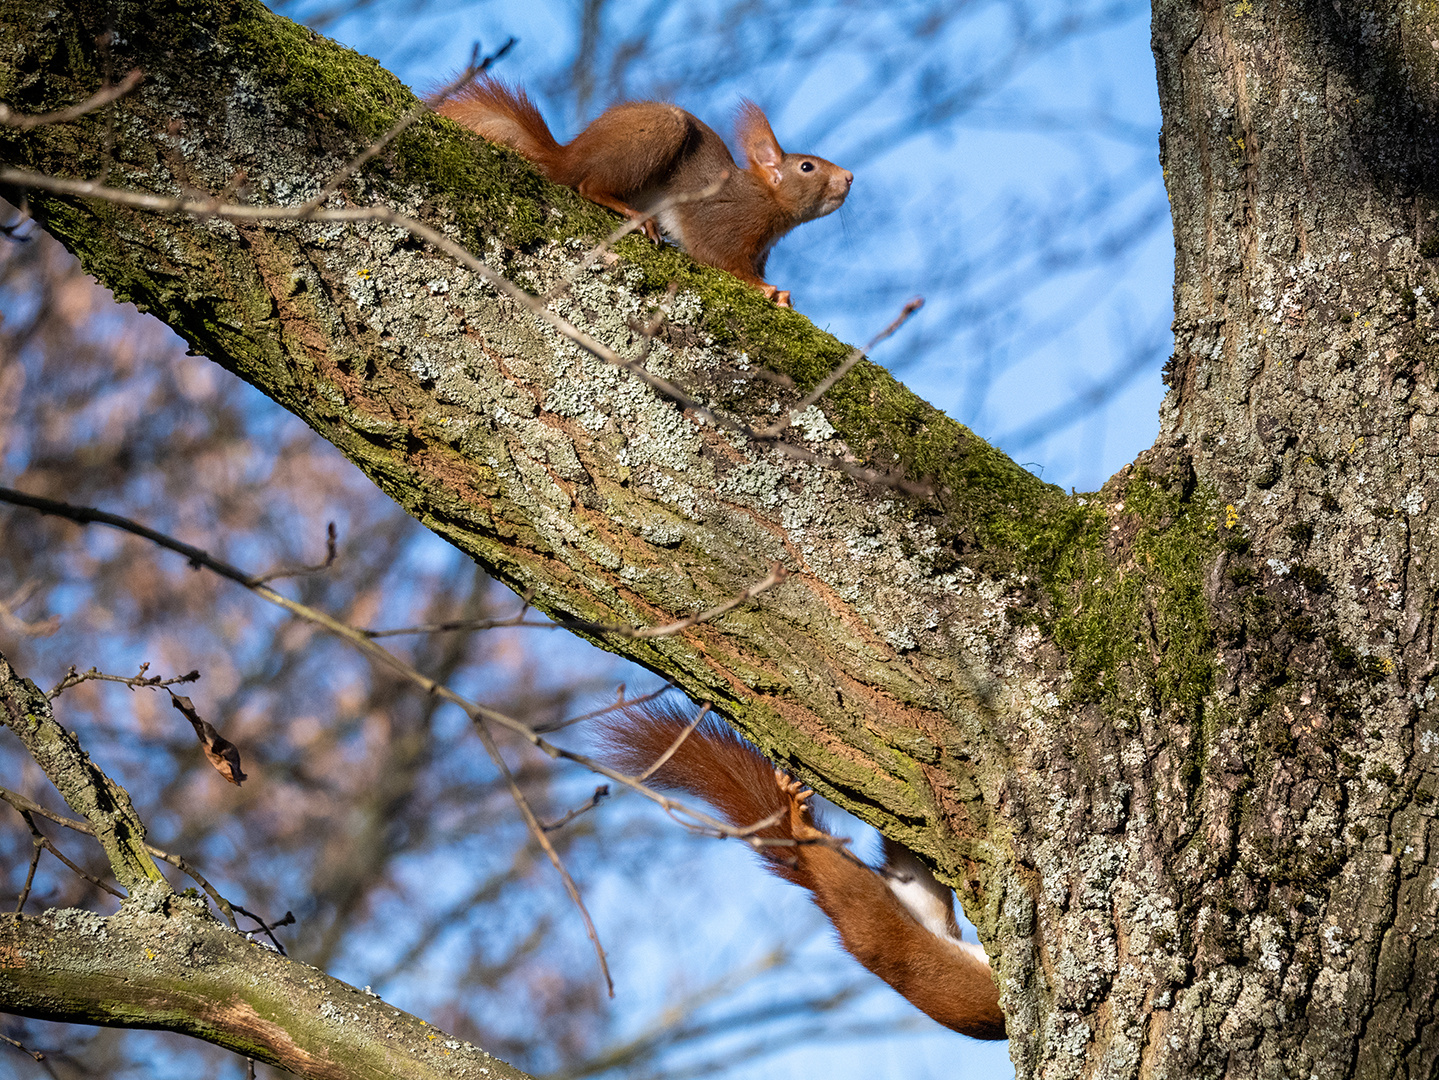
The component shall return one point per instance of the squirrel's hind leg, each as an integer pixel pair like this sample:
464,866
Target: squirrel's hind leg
597,193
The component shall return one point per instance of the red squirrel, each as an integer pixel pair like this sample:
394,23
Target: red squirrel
638,154
897,920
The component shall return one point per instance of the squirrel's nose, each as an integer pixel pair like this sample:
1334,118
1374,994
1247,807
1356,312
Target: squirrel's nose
848,178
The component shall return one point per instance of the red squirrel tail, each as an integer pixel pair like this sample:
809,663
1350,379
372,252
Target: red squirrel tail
505,114
713,764
898,926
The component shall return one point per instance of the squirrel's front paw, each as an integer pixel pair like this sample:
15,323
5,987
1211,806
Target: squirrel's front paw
801,815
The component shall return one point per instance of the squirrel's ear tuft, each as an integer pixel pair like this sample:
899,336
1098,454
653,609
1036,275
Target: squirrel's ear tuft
761,148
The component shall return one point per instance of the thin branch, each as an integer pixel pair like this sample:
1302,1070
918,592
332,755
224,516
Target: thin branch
620,702
43,841
855,356
630,225
658,763
538,831
331,551
29,877
99,99
74,678
26,808
777,573
268,928
36,1054
601,794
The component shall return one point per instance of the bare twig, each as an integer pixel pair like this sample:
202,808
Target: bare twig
620,702
630,225
36,1054
41,840
454,625
26,807
74,678
658,762
100,98
855,356
34,862
777,573
268,928
331,551
538,831
601,794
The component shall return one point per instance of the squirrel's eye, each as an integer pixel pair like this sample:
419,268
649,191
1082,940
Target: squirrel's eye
806,166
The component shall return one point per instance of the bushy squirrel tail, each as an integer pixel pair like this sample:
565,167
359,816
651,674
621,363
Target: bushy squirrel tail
713,764
898,921
505,114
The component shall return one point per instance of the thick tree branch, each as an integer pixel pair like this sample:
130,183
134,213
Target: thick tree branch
569,479
165,964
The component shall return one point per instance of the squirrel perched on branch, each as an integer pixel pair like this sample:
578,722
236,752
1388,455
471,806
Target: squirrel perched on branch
652,160
896,920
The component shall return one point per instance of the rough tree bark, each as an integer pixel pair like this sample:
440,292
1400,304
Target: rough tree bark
1174,743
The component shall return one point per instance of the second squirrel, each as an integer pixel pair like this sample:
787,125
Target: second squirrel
644,158
896,920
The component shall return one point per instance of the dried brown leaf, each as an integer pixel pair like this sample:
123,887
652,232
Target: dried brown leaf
218,749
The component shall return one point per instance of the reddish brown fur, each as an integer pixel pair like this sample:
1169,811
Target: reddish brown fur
943,981
636,154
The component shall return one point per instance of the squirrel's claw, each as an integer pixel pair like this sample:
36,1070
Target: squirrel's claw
801,813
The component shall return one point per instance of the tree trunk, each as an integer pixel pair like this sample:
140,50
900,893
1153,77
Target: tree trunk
1299,147
1171,743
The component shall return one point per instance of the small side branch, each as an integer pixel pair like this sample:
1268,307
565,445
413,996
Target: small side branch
43,842
481,716
75,678
777,574
601,794
823,387
28,808
25,710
